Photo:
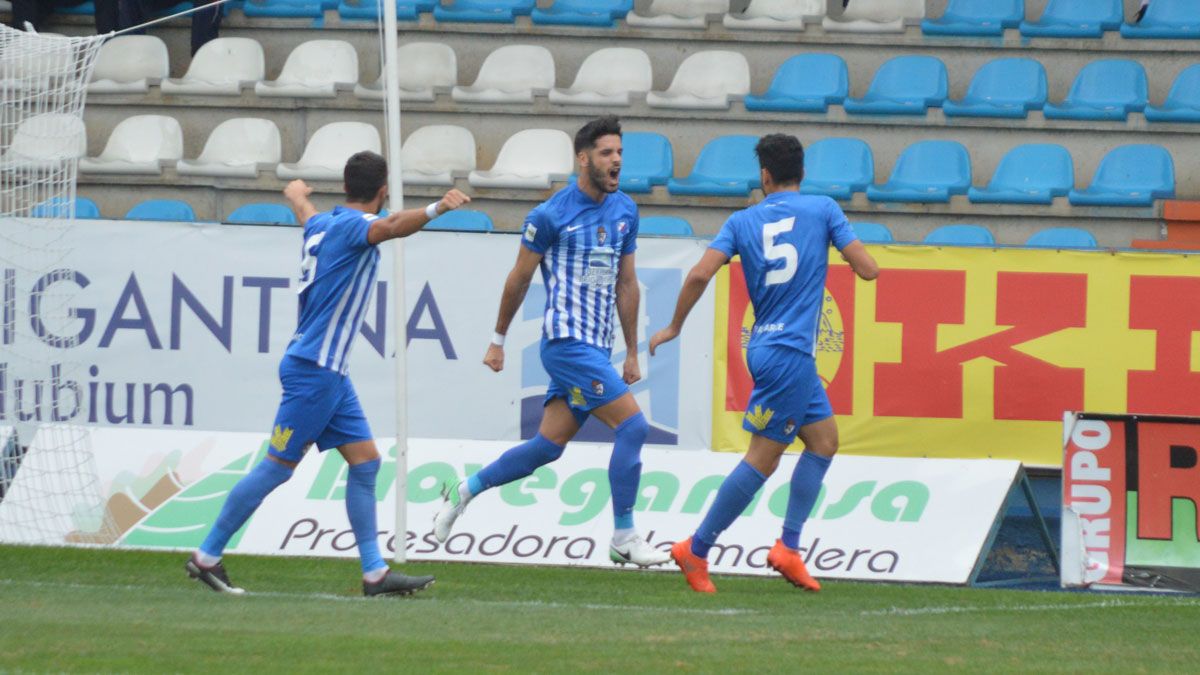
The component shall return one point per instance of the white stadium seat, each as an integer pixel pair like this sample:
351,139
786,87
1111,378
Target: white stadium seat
325,155
677,13
426,67
775,15
237,148
608,77
27,65
532,158
129,64
875,16
44,142
511,74
705,80
315,69
139,144
432,155
220,68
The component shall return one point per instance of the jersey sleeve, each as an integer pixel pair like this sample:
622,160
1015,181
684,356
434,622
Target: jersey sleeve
840,232
629,241
357,229
726,239
539,232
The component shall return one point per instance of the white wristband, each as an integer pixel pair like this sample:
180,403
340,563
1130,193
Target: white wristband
498,339
431,211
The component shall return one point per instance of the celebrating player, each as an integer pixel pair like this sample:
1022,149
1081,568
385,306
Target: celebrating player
783,242
338,263
584,238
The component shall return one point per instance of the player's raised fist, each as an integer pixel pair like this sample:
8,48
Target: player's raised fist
297,190
494,358
452,200
665,335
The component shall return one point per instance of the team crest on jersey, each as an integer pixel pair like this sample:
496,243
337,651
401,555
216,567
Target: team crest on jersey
601,235
789,428
598,387
280,438
621,226
577,399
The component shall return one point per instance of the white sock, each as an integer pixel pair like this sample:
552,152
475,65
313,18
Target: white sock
623,535
374,576
464,492
206,560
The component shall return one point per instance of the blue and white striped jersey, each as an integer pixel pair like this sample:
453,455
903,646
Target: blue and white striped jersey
581,242
337,277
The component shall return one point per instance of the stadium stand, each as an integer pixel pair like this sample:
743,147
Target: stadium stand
327,151
483,11
129,64
960,235
837,167
315,68
1166,19
1075,19
237,148
666,226
162,209
608,77
1182,103
599,13
1130,175
905,85
262,214
708,79
976,17
284,8
677,13
873,233
463,220
875,16
774,15
511,74
138,145
1062,237
435,154
927,171
647,160
45,141
532,159
1029,174
1008,87
60,208
1108,89
726,167
805,83
430,67
368,10
221,67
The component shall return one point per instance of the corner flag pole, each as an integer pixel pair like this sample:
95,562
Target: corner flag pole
391,113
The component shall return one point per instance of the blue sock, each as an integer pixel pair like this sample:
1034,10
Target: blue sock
735,495
806,485
360,507
625,468
516,463
242,501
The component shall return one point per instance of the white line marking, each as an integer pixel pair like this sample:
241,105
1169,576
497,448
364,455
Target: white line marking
959,609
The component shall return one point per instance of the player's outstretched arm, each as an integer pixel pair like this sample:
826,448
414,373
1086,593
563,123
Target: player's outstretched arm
628,298
861,261
693,287
515,288
297,193
410,221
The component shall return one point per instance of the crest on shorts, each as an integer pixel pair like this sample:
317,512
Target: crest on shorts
577,397
280,438
789,428
601,235
759,418
598,387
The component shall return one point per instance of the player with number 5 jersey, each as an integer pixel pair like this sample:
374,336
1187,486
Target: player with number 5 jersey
783,242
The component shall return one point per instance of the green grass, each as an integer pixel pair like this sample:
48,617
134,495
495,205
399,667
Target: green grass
93,610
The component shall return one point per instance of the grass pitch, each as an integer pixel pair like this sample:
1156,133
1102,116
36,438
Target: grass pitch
119,611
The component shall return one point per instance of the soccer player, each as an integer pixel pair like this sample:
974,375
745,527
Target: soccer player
583,238
338,263
783,242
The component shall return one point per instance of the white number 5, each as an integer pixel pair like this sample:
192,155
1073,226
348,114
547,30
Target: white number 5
308,263
782,251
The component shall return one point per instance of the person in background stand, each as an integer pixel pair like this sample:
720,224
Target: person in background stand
205,22
37,13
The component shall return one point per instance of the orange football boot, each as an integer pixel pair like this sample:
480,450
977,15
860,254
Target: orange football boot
788,562
694,568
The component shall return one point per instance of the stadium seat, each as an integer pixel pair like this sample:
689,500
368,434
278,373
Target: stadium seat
325,155
1063,237
1183,101
904,85
705,80
775,15
171,210
926,171
44,142
667,226
872,233
837,167
597,13
875,16
462,221
608,77
960,235
432,155
976,17
138,145
428,67
647,160
1108,89
510,74
60,208
285,9
1008,87
677,13
805,83
368,10
1029,174
236,148
129,64
1076,19
221,67
532,158
26,64
1167,19
1130,175
483,11
262,214
727,166
316,68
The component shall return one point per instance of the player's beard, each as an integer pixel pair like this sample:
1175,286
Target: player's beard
600,179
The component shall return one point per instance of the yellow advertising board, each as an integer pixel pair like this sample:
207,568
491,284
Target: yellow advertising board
962,352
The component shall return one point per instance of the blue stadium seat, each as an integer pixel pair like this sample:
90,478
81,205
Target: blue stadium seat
670,226
462,221
1063,237
1076,19
927,171
1183,101
1009,87
1108,89
1167,19
262,214
300,9
961,235
904,85
976,17
805,83
1029,174
483,11
368,10
872,233
726,166
598,13
647,160
58,208
837,167
162,209
1130,175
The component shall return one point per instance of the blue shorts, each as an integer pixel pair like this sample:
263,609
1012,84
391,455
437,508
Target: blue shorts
319,406
787,393
582,374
